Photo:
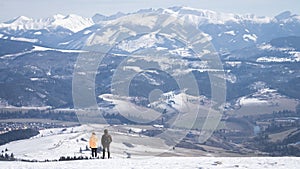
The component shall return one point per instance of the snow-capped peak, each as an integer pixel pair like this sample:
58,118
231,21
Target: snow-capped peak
20,19
208,16
72,22
17,23
58,16
77,23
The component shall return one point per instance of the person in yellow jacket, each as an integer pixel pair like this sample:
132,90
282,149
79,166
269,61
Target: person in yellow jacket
93,144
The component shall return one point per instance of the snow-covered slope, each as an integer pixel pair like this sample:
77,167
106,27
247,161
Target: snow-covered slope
39,49
263,101
228,30
232,35
202,16
52,144
129,150
167,163
72,22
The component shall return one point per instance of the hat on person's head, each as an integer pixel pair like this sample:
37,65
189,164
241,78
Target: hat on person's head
105,131
93,133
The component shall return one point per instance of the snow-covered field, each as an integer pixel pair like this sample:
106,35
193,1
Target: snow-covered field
166,163
51,144
144,152
265,100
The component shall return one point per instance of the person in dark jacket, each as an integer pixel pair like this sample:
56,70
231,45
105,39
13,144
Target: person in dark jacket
105,141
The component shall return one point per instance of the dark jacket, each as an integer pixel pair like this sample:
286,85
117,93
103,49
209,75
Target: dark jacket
106,140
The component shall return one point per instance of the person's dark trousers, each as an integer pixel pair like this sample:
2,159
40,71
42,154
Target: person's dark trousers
108,153
94,152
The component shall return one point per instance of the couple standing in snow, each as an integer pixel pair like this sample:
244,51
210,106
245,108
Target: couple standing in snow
106,139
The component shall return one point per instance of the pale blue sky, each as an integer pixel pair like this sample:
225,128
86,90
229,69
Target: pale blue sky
44,8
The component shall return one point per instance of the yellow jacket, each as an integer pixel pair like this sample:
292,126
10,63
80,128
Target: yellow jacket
93,141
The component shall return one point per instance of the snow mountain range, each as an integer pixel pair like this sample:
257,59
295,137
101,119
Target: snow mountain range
228,31
37,56
71,22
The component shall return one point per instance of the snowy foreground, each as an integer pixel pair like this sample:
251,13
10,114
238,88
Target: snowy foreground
165,163
144,152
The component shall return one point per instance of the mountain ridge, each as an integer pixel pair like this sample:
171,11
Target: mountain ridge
24,22
244,44
71,22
